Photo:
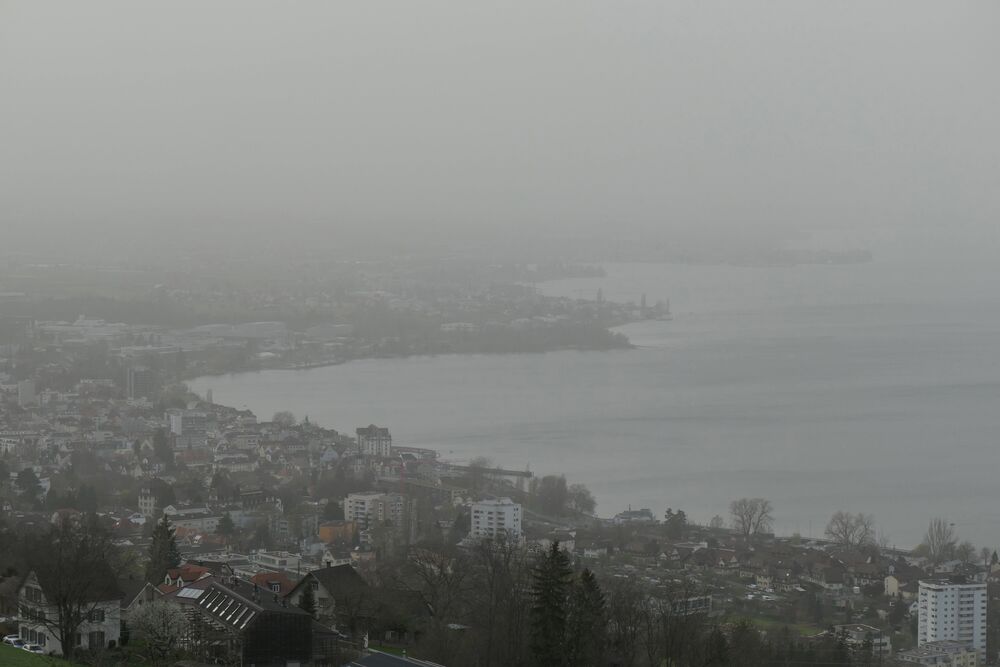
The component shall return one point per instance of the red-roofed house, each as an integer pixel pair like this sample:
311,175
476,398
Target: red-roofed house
274,582
179,577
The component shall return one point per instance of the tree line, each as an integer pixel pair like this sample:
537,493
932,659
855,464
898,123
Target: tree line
500,604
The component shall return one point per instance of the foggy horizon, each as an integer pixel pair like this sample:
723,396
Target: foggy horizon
141,121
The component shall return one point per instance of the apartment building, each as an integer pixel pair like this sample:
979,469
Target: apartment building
496,519
941,654
952,610
374,441
367,508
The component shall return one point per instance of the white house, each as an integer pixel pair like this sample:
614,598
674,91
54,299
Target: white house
101,627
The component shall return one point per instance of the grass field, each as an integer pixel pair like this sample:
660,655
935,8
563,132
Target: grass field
803,629
15,657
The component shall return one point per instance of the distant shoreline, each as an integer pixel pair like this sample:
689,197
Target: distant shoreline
341,362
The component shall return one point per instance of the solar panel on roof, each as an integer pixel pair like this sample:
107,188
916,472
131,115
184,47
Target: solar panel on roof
233,612
226,608
190,593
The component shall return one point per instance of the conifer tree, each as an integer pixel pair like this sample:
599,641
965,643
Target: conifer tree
307,602
226,525
552,581
586,622
163,552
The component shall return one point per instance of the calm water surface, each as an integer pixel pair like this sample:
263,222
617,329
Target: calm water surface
869,388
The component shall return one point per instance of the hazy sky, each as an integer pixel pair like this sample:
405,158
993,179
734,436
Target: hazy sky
128,118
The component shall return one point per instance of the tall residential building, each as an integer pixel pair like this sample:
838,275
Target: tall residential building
147,502
140,382
186,422
952,610
370,507
374,441
496,519
26,393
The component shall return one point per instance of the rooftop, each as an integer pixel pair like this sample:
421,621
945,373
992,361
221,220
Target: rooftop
379,659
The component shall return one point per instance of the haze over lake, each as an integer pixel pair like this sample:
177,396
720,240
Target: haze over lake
870,387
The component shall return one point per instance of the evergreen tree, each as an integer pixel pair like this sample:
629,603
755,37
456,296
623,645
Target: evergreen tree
262,536
675,524
333,511
552,579
715,648
162,448
28,484
586,622
307,602
163,553
86,499
226,525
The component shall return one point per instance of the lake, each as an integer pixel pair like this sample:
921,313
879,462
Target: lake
871,387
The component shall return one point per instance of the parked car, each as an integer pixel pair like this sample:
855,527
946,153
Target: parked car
13,640
33,648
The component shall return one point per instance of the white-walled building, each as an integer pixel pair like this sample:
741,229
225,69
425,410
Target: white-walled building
856,634
952,611
374,441
496,519
147,502
277,560
370,507
101,626
941,654
26,393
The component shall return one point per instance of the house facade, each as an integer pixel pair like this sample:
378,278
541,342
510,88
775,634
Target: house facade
100,629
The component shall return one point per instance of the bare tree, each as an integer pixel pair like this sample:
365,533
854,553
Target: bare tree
284,418
479,470
72,563
670,628
501,603
882,541
939,541
443,582
851,530
751,516
626,616
581,499
160,626
984,554
717,522
966,552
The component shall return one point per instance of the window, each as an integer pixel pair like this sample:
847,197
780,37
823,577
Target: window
96,616
95,639
33,593
41,639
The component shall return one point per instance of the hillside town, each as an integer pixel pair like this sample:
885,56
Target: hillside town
205,323
230,538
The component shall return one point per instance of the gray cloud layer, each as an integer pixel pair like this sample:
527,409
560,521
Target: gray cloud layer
128,116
